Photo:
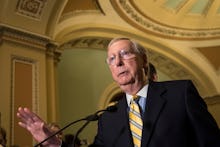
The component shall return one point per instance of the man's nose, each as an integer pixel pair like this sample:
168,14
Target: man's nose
118,61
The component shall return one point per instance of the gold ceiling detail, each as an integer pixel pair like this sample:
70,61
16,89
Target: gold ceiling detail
87,42
74,8
32,9
192,25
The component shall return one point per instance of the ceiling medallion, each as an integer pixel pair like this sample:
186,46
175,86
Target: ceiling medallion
132,16
30,8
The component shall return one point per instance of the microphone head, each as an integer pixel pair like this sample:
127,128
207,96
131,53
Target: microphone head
92,117
96,115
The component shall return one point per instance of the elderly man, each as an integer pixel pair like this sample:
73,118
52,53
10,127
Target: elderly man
155,114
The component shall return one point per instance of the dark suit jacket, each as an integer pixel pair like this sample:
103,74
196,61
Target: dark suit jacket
175,116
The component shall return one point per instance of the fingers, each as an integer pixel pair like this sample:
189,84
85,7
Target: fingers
27,117
21,115
35,125
24,116
22,125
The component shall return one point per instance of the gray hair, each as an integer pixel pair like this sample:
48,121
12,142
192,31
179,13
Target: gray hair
139,49
136,46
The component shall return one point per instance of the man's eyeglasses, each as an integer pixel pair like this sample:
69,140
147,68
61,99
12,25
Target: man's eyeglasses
123,54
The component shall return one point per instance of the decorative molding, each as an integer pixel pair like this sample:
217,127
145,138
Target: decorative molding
167,66
87,42
35,89
213,100
173,69
32,40
125,8
53,52
31,8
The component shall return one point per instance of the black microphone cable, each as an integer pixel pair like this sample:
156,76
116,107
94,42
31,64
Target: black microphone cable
59,131
92,117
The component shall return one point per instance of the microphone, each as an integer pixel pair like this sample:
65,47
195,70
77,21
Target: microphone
95,116
92,117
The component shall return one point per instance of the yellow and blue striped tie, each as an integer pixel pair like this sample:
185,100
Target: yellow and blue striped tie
135,122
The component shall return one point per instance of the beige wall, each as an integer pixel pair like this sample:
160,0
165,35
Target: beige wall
23,83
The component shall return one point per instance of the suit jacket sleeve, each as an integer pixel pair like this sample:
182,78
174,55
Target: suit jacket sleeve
98,142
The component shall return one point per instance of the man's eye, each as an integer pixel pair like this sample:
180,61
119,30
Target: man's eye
111,58
125,53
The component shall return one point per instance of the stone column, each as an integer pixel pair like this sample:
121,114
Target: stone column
52,58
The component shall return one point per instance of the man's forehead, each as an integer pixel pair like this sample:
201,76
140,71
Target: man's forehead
116,46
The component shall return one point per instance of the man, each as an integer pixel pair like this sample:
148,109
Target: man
169,114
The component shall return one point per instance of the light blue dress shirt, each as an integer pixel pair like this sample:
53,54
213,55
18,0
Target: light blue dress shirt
142,100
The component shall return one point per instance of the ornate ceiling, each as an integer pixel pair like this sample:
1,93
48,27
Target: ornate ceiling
173,19
185,19
189,21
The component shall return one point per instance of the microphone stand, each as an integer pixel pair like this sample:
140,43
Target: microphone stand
89,118
78,132
92,117
59,131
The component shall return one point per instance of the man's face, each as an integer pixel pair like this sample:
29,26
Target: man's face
125,65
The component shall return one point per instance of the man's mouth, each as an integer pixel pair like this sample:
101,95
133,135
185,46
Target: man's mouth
122,73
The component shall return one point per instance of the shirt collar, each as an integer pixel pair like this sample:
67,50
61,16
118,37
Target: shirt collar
142,93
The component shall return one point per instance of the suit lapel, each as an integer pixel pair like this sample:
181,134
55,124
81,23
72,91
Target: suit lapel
154,106
122,125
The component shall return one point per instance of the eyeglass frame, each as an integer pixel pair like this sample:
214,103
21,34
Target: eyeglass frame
123,54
